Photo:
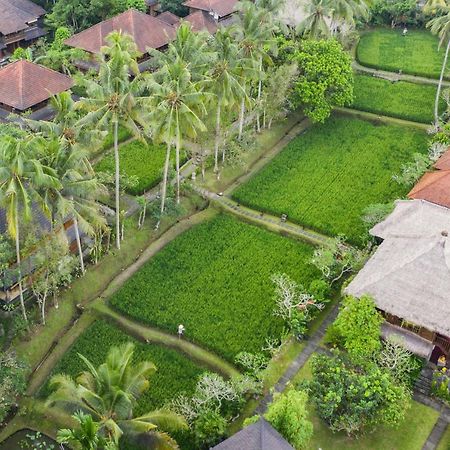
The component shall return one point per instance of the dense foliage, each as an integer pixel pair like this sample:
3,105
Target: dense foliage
358,326
140,160
400,99
416,53
215,280
326,177
175,373
351,399
325,78
397,12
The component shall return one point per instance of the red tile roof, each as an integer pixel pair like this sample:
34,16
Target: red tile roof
15,15
433,187
221,7
202,21
443,163
24,84
169,18
147,31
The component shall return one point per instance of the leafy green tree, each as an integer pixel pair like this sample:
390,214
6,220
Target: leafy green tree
209,427
109,394
288,414
21,177
351,399
174,6
440,25
359,325
86,435
325,78
114,100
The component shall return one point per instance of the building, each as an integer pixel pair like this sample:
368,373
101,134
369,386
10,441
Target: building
21,22
148,32
153,7
409,276
220,10
433,187
199,21
258,436
443,163
28,86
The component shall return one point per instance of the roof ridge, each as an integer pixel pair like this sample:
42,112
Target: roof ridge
438,174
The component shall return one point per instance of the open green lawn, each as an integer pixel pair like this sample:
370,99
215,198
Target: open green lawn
215,280
444,443
175,372
142,160
326,177
415,54
403,100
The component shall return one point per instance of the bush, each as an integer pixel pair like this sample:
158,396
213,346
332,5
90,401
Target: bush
215,280
325,178
401,99
175,373
320,290
209,428
414,54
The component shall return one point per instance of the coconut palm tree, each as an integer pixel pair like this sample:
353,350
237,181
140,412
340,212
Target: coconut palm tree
440,25
21,177
315,24
225,82
114,99
109,394
178,106
346,11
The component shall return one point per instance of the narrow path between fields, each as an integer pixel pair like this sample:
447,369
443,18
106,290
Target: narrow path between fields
395,76
150,334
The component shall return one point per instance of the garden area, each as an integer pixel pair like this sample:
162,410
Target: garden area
215,280
326,177
401,99
140,162
387,49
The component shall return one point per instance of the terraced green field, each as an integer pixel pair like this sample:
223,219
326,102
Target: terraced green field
403,100
326,177
175,372
215,280
416,53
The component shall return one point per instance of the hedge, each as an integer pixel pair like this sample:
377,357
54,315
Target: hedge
325,178
175,372
387,49
215,280
403,100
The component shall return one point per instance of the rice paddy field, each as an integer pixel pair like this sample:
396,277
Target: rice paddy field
404,100
387,49
215,280
326,177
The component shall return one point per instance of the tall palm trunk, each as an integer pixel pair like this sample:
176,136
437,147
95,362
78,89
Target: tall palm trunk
217,140
80,250
19,270
441,79
177,162
258,124
164,182
242,114
117,181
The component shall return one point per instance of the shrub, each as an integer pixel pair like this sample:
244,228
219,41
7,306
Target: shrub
215,280
209,427
359,324
289,416
320,290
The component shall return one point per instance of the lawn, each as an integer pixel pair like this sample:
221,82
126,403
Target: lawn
145,161
175,372
444,443
403,100
215,280
326,177
415,54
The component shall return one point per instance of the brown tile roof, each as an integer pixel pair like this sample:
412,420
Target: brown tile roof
15,15
24,84
202,21
443,163
221,7
147,32
433,187
168,17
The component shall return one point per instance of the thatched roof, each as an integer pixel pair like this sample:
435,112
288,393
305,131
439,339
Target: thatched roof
258,436
410,278
414,218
